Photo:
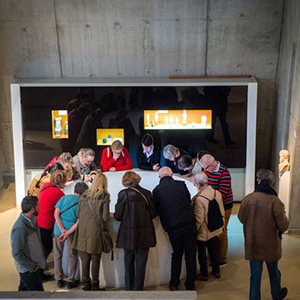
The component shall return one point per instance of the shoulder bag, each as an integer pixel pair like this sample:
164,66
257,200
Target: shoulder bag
132,188
107,243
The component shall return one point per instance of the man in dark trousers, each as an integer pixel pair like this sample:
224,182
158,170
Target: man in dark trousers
27,249
219,178
178,220
264,220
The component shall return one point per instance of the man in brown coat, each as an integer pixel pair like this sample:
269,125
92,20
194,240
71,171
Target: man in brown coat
264,219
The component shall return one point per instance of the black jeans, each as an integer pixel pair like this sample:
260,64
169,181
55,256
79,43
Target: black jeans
135,268
184,240
212,247
31,281
47,240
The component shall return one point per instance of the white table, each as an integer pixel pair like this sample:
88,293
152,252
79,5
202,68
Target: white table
158,269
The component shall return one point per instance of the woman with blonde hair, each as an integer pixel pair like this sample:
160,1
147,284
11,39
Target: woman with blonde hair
135,209
93,214
115,158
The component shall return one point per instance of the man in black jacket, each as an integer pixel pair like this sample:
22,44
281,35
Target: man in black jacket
148,156
178,220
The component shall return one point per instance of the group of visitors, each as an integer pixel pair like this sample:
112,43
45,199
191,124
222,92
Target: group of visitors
81,217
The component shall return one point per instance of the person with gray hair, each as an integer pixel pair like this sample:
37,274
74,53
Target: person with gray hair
206,238
219,178
177,217
264,220
172,155
84,167
264,175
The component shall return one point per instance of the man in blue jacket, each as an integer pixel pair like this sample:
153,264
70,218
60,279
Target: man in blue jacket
27,249
177,217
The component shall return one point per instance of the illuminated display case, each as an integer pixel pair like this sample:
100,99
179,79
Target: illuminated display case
177,119
106,136
60,127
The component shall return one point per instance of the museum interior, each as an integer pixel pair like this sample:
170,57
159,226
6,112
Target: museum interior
159,67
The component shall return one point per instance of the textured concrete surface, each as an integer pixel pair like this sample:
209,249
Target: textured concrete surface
139,38
287,127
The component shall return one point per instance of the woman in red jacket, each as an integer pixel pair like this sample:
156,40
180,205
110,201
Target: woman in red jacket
115,158
49,195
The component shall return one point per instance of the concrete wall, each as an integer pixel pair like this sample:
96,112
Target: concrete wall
140,38
287,129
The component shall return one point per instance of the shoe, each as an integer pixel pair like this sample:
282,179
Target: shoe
217,275
87,286
222,264
98,288
47,277
72,284
201,278
173,288
60,283
284,292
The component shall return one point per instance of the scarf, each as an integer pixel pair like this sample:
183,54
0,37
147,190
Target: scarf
264,187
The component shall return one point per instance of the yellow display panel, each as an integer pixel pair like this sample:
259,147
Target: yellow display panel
106,136
60,124
177,119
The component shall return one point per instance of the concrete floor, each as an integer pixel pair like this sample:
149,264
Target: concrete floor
233,284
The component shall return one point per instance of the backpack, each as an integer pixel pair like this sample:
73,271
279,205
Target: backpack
214,216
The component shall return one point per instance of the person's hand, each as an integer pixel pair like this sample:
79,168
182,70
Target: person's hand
112,169
36,268
116,156
63,237
156,167
86,178
91,178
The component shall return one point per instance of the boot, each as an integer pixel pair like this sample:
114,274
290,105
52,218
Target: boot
87,286
96,287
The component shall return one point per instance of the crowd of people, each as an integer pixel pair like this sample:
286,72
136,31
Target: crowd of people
49,219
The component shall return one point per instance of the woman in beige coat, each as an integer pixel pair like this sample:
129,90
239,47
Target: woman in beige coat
92,212
206,238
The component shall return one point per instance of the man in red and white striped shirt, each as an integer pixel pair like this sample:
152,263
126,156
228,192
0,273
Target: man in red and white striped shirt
219,178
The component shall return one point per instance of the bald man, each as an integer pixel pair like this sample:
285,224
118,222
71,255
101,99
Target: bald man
177,217
219,178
